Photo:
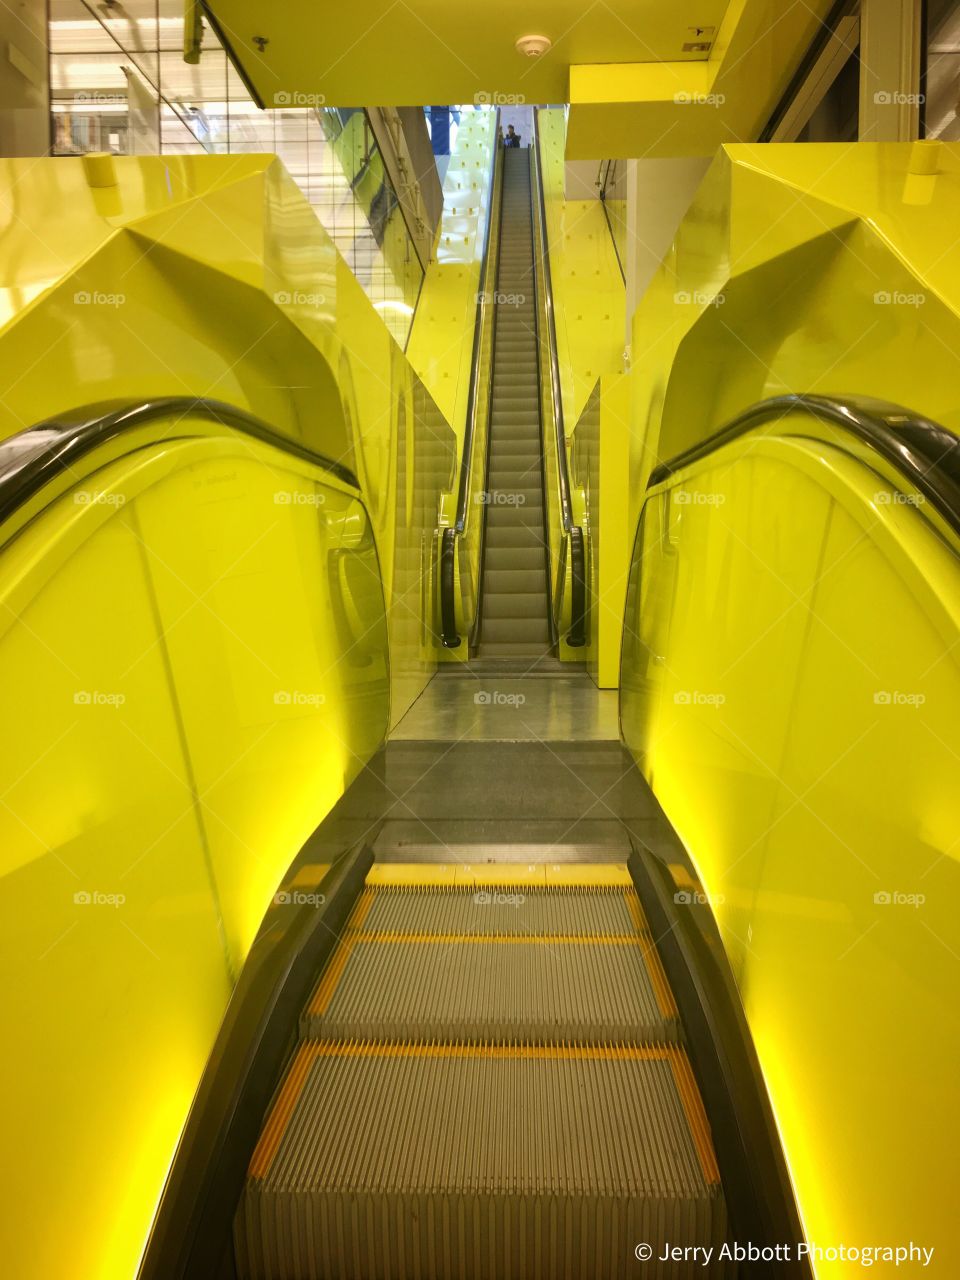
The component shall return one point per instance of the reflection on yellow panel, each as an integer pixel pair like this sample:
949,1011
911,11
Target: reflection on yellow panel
791,688
193,666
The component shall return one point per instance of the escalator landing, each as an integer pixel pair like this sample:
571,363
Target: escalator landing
508,702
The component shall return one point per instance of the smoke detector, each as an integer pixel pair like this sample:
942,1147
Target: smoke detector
533,46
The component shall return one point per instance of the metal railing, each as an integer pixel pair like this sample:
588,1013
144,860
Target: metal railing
450,537
571,553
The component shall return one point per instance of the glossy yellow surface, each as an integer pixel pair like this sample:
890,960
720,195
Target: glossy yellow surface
193,662
424,52
211,276
627,107
233,645
442,332
829,269
588,303
598,473
823,268
588,289
791,689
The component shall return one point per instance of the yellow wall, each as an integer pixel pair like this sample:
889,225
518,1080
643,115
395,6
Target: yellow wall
823,268
211,276
193,664
441,335
791,689
588,290
234,645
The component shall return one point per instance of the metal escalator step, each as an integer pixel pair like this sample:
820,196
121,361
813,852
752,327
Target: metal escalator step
514,990
514,559
507,582
580,911
395,1161
502,604
518,617
513,537
532,632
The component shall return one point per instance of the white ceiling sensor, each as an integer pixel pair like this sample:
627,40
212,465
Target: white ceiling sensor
533,46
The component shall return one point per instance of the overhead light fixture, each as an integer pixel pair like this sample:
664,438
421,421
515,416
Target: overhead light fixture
533,46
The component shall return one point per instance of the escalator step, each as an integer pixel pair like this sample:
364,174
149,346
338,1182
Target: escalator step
582,911
423,1160
491,989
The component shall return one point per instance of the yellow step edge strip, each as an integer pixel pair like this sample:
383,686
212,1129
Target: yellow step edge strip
482,939
696,1115
273,1131
655,970
338,961
587,874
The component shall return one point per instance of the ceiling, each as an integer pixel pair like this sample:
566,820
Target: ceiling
416,52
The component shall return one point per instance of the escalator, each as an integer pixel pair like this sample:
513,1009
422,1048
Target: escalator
512,1093
515,605
489,1026
512,573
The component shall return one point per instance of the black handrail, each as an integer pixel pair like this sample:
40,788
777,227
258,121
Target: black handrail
576,636
449,635
926,453
32,458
